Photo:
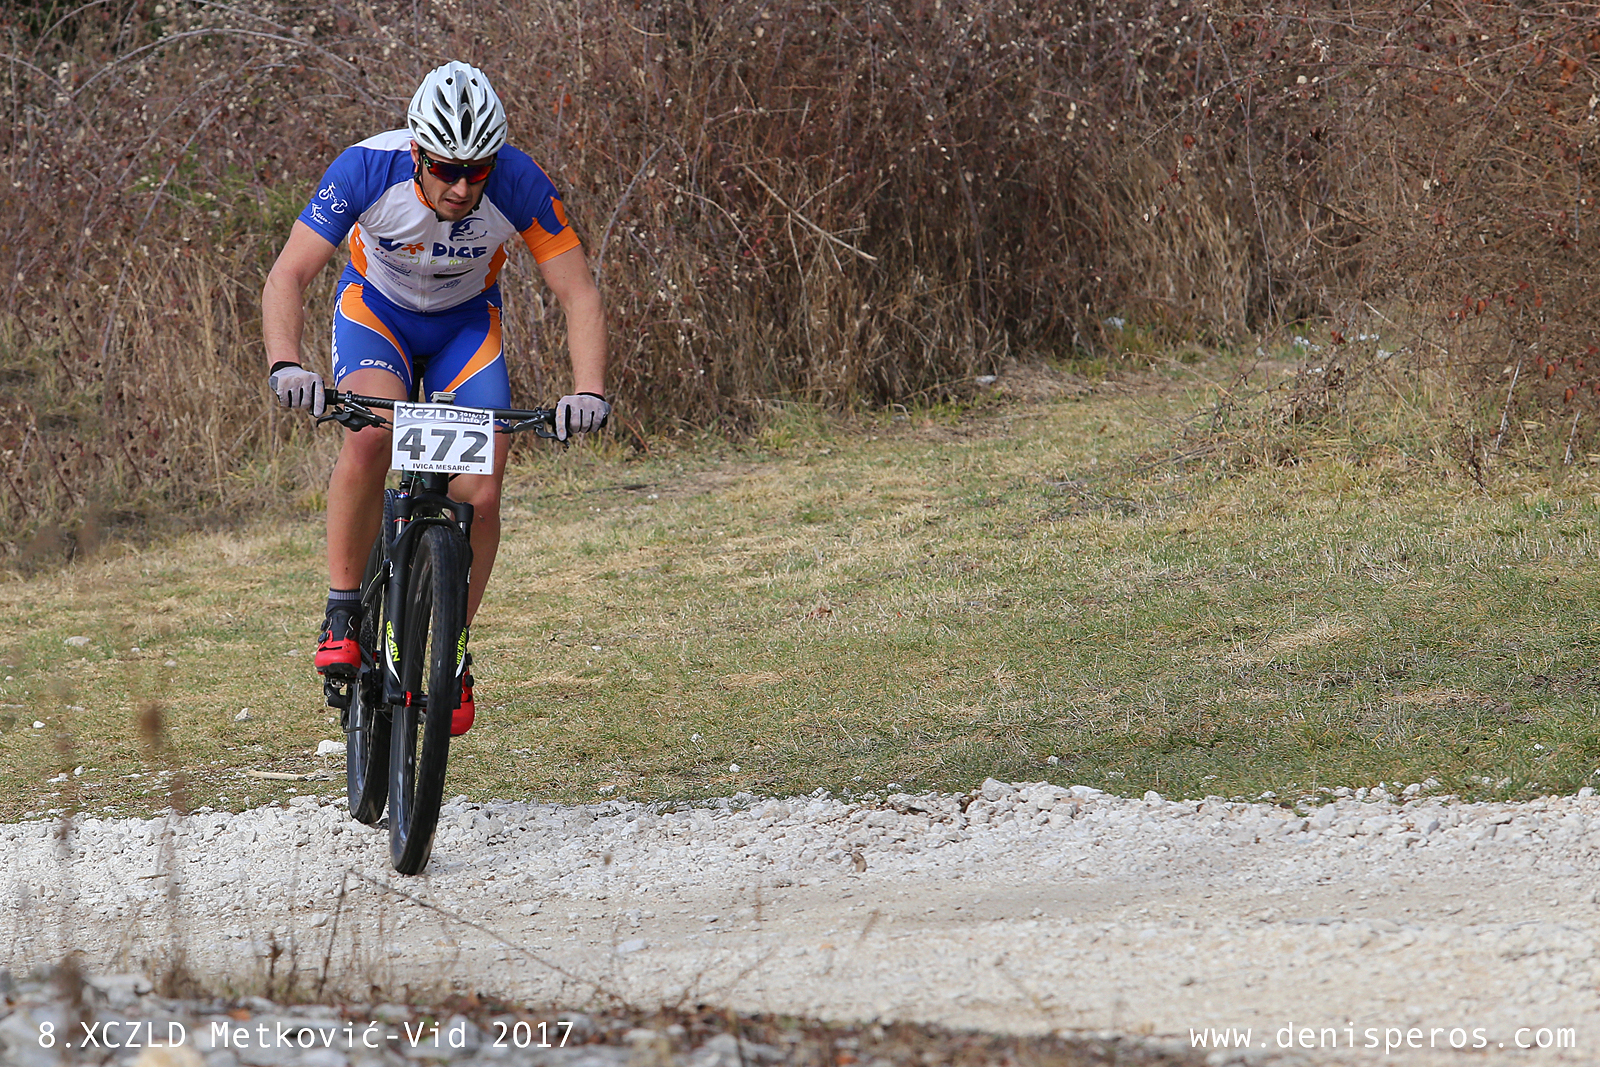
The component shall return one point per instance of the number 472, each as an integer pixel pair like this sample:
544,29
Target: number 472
411,441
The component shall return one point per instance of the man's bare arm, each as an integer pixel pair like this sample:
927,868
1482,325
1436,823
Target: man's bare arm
283,310
569,279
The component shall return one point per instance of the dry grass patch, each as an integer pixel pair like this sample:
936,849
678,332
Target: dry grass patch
751,681
900,609
1450,698
1324,632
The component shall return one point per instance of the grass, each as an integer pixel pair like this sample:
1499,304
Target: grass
1024,589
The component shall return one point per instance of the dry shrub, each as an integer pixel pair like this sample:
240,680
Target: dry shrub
795,201
148,140
1423,174
791,202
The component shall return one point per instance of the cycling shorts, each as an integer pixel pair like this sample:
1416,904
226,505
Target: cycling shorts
457,350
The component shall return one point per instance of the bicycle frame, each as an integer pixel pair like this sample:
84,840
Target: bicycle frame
423,499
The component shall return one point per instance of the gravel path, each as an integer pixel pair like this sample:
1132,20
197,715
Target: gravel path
1023,909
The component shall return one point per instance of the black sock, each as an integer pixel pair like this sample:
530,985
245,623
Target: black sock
344,599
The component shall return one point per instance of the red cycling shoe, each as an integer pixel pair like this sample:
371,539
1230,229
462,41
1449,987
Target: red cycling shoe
461,718
338,650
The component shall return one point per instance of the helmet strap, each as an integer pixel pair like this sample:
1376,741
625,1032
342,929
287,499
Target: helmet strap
416,176
422,190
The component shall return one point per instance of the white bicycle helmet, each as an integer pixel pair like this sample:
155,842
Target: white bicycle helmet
456,114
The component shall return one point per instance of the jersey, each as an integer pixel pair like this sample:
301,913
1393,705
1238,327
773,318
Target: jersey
399,247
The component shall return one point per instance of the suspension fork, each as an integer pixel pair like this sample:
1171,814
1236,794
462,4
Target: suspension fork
431,498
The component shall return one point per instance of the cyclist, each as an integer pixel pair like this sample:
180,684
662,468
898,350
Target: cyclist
428,211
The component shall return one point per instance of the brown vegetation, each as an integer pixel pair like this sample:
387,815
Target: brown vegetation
801,201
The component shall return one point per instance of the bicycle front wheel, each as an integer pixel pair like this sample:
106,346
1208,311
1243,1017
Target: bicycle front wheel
430,649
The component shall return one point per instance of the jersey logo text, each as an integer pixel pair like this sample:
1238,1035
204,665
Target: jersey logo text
396,246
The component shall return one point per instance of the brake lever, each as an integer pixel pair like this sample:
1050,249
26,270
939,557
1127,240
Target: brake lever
540,428
354,417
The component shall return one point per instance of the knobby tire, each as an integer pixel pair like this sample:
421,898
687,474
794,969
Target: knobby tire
430,634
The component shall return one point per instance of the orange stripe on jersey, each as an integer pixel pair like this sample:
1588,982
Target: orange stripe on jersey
495,264
545,245
352,307
487,352
358,251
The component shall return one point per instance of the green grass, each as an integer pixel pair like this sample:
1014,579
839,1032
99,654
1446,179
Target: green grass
926,602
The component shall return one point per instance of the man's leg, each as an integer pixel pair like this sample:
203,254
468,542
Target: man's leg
482,491
473,367
355,489
368,358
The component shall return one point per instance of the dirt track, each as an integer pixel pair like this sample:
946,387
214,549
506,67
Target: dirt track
1034,910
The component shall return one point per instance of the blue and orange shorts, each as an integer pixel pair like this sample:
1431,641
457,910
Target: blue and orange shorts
456,350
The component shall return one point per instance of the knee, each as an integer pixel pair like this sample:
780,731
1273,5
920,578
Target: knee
368,447
487,507
483,495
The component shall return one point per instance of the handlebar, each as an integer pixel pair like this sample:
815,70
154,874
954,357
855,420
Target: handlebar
355,412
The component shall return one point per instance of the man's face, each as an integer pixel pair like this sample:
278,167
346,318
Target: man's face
452,200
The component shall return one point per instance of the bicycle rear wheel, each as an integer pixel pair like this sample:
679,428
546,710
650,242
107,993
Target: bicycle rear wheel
430,639
366,721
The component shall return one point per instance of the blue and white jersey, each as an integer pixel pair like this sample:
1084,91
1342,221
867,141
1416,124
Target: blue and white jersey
398,245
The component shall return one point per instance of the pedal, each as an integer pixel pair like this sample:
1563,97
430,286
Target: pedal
337,692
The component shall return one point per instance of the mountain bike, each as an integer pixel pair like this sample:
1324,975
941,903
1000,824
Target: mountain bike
396,711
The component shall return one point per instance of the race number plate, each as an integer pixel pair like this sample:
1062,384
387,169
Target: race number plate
443,438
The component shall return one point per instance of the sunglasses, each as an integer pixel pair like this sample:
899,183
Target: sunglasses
450,173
